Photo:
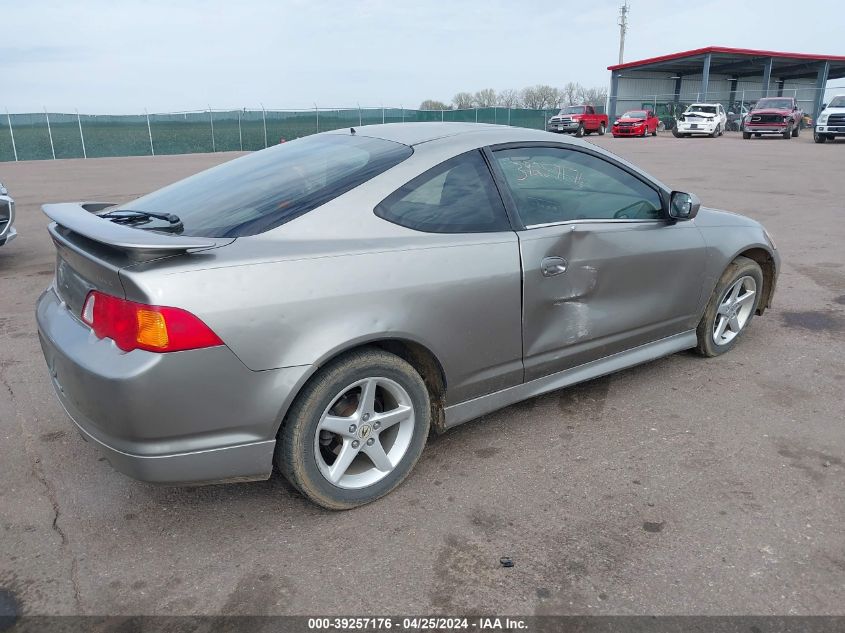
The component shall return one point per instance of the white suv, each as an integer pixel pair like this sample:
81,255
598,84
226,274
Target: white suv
701,118
7,216
831,121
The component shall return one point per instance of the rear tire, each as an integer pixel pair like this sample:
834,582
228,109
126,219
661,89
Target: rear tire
743,273
331,418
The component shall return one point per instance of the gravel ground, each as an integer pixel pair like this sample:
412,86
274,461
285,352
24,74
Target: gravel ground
684,486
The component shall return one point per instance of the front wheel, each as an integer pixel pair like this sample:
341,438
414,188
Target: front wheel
731,307
717,131
795,131
819,138
787,133
356,430
602,129
676,134
580,131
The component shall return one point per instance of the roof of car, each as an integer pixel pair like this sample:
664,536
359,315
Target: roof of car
418,133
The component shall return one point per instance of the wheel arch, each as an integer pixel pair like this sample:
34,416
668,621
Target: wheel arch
417,354
767,264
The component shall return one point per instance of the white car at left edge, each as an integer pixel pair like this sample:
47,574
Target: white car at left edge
7,216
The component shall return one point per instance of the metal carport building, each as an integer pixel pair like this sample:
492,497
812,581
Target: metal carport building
725,75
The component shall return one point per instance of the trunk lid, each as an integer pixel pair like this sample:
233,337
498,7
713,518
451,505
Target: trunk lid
91,251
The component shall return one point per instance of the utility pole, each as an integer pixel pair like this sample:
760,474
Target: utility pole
623,28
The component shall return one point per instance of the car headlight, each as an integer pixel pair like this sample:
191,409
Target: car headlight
616,122
823,119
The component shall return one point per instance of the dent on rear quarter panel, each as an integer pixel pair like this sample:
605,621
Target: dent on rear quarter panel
461,301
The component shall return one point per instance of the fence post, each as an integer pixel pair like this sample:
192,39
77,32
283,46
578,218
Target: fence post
150,132
382,115
359,115
12,134
50,132
211,118
264,118
476,115
442,115
509,116
81,136
317,110
240,135
403,114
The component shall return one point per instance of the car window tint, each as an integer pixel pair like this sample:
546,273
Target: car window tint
552,185
457,196
265,189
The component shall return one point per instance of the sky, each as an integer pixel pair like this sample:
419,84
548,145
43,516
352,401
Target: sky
124,57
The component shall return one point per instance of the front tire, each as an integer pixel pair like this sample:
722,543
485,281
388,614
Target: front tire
676,134
731,307
788,133
796,130
819,138
356,430
602,129
580,131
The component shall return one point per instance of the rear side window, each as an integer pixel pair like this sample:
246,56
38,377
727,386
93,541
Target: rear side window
263,190
457,196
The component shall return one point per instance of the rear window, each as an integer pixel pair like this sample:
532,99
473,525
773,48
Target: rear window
263,190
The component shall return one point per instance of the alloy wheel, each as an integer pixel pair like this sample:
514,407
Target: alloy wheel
364,433
734,310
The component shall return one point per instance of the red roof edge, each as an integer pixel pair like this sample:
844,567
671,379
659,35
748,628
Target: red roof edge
723,49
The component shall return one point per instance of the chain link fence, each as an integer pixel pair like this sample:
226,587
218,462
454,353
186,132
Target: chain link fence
51,135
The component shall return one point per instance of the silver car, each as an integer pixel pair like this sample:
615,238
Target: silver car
321,305
7,216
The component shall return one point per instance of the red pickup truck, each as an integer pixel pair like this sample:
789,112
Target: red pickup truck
578,119
773,115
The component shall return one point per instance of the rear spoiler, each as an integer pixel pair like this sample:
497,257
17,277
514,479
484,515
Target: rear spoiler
81,218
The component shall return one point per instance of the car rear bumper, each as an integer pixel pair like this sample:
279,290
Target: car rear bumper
199,416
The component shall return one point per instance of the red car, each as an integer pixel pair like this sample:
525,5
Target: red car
636,123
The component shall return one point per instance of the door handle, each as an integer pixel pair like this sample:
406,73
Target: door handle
552,266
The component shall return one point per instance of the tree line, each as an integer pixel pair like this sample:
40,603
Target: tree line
537,97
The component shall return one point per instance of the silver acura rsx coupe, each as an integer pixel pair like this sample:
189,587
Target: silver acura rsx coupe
322,304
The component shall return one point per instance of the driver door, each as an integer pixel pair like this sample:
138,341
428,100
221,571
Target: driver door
603,269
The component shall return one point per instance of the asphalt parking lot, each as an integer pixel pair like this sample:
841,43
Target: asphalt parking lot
684,486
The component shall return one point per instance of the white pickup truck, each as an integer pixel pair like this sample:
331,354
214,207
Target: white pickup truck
831,121
7,216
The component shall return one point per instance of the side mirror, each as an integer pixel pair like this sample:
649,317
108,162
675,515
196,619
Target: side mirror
683,206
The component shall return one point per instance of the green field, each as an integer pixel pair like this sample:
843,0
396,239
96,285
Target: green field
188,133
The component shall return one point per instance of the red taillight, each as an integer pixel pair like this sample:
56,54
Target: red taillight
139,326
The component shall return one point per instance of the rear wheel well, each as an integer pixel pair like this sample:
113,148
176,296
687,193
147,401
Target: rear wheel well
767,265
426,363
419,357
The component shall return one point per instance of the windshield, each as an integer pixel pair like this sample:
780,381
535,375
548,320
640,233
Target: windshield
634,114
778,104
708,109
573,110
837,102
263,190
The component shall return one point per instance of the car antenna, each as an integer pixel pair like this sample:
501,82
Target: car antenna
352,130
